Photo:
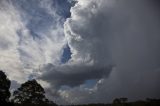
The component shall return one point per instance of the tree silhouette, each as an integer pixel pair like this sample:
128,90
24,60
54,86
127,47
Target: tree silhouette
4,88
116,101
123,100
31,92
120,100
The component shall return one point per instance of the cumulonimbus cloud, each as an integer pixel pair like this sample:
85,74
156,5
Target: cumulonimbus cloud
123,34
113,42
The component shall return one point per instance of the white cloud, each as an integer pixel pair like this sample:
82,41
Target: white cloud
21,55
9,56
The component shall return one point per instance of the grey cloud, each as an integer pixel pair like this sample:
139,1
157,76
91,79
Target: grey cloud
14,85
4,44
124,34
73,75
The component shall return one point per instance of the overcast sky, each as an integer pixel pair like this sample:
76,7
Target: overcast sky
83,51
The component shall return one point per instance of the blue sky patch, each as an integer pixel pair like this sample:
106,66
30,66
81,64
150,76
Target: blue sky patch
66,54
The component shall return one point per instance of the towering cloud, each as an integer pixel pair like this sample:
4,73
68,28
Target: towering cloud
123,35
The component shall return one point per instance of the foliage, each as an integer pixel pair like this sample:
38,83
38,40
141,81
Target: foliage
120,100
123,102
4,88
30,92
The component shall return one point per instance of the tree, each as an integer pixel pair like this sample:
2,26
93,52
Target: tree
120,100
123,100
30,92
4,88
116,101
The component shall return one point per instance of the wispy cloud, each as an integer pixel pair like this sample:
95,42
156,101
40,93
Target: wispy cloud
31,35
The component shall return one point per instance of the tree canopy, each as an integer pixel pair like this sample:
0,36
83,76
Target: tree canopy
30,92
4,88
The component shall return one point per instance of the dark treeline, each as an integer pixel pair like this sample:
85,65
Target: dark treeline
123,102
32,93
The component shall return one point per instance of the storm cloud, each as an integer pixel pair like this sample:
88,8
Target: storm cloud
122,34
73,75
114,47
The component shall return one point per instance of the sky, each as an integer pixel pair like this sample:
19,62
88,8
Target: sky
83,51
